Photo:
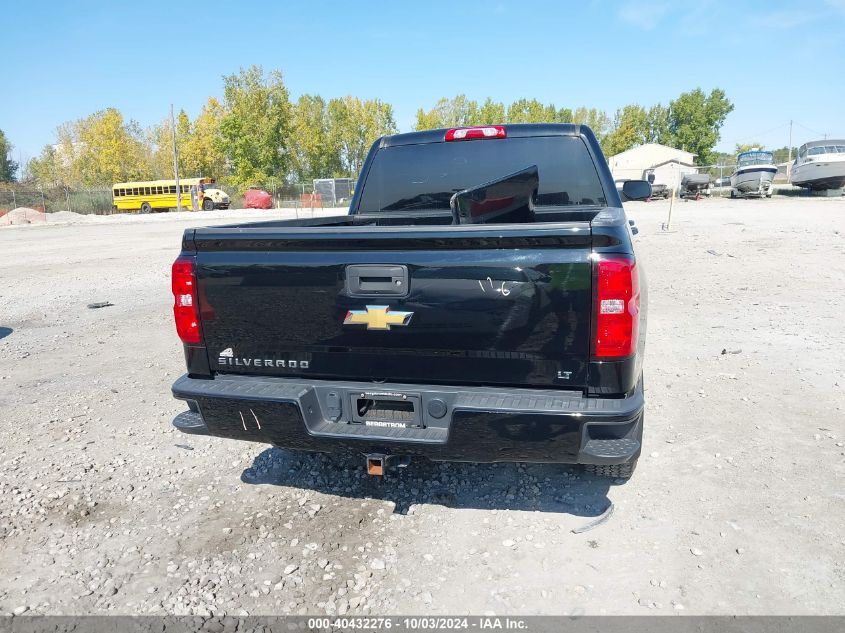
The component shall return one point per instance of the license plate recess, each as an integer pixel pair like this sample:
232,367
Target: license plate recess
386,409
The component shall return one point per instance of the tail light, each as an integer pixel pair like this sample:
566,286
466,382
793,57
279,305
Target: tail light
469,133
617,307
185,308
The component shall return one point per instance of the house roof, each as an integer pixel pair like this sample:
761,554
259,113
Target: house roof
646,146
674,160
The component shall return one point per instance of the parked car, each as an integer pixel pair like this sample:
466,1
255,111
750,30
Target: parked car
481,301
255,198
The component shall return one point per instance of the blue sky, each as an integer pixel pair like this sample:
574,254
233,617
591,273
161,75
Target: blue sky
776,60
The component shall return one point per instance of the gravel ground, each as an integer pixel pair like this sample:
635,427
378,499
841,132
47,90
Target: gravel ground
189,217
737,505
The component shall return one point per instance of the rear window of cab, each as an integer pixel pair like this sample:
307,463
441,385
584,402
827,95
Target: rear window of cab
423,177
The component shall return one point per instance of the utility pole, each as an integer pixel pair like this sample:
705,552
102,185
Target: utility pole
789,160
175,161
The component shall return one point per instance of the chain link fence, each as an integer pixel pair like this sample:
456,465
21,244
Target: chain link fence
50,200
99,200
287,196
671,173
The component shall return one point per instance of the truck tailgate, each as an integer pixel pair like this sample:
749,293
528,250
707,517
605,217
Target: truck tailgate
454,305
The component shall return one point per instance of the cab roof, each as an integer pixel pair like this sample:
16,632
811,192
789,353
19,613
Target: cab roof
515,130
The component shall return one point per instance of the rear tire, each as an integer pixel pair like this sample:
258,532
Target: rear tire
613,471
146,207
208,204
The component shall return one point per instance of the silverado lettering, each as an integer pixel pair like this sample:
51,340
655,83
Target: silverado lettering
262,362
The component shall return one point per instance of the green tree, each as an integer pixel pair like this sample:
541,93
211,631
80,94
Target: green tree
198,144
160,142
203,148
255,128
45,169
95,151
315,152
456,112
596,120
460,112
491,113
565,115
354,125
531,111
427,120
66,153
695,120
722,158
8,167
747,147
781,155
658,125
630,128
183,135
103,149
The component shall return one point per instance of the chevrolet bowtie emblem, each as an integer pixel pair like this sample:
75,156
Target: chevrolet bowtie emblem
377,317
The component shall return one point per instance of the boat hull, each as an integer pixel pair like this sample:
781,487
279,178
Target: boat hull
818,175
754,180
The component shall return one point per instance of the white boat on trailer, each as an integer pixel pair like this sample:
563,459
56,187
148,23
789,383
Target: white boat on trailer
753,175
820,165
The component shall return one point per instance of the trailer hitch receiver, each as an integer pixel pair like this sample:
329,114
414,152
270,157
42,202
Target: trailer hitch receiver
379,463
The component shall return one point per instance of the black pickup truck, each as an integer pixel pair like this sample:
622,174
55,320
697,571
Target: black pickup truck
480,302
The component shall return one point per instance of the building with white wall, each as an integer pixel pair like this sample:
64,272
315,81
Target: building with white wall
666,163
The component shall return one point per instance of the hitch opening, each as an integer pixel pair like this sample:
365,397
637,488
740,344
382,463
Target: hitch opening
375,466
378,463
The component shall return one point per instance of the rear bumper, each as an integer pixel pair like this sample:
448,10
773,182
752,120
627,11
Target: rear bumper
479,424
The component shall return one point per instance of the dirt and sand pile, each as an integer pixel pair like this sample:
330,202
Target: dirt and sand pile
69,217
206,217
22,215
25,215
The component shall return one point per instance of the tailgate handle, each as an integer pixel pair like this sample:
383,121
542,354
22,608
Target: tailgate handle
376,280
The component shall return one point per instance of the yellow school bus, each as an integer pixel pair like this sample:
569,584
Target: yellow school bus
160,195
